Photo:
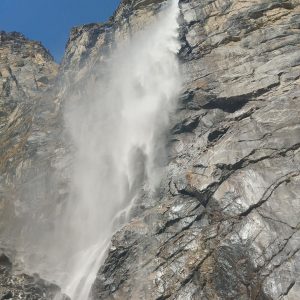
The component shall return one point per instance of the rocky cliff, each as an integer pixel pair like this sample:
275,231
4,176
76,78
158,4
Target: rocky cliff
27,73
226,223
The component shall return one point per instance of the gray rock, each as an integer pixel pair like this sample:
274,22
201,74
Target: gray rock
14,285
28,137
226,224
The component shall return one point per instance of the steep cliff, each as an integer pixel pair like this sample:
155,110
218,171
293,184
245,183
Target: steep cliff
27,72
226,222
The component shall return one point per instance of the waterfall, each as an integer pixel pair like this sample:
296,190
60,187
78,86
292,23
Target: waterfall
118,132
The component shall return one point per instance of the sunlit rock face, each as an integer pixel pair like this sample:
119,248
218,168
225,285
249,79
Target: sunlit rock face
27,72
226,222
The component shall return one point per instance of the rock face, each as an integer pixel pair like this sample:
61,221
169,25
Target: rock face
226,224
27,71
23,286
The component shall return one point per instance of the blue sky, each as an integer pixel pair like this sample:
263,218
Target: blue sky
50,21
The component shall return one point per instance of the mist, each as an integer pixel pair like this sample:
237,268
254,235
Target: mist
118,132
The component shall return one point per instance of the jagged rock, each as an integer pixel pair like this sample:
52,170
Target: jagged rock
27,137
22,286
29,132
227,223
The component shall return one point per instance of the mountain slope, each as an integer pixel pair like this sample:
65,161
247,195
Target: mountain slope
226,223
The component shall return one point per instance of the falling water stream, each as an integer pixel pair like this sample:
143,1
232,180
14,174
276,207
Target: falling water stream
118,131
119,136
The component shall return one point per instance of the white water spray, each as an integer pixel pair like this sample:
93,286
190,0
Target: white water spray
118,131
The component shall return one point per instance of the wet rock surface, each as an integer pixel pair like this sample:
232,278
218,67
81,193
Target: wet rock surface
22,286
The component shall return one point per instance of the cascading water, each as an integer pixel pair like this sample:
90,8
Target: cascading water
118,132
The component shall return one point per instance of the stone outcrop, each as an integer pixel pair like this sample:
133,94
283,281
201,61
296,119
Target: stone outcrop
226,224
31,179
22,286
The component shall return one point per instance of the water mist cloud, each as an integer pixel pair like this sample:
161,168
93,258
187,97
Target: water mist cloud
118,132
